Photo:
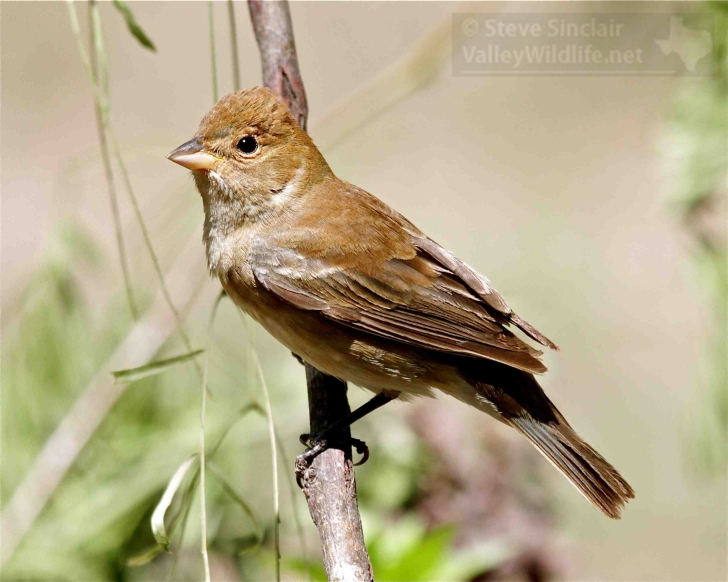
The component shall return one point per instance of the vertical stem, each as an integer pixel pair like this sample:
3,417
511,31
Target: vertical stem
274,456
292,489
203,411
234,46
213,58
148,242
274,33
101,103
272,437
100,78
330,486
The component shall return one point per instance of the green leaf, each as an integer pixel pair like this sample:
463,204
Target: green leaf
134,27
152,369
158,527
144,557
235,496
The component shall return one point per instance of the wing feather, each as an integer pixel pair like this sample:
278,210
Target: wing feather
435,313
383,276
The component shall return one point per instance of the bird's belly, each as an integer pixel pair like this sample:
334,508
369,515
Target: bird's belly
357,357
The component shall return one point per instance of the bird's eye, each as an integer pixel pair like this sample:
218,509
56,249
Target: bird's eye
248,144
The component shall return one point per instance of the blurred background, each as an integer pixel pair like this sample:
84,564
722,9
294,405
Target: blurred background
596,205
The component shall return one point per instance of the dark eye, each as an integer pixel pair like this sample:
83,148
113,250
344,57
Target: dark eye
248,144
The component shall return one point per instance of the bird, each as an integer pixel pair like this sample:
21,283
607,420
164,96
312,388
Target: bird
356,290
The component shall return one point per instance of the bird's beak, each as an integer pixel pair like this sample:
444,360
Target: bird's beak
192,155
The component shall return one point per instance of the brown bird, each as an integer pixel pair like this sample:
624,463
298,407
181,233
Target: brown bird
359,292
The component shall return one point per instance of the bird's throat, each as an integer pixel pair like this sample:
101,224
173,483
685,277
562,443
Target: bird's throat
225,213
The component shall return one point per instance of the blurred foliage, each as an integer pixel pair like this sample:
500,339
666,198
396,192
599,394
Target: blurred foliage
402,545
405,551
42,376
103,509
696,152
56,345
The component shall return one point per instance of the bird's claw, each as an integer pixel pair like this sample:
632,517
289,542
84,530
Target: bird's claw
317,445
361,448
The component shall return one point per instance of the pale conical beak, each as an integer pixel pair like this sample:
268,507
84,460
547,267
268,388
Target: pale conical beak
192,155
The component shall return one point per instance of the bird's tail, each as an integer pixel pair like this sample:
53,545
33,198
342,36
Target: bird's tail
516,398
587,470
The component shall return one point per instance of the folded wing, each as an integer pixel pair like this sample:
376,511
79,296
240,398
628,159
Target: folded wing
394,283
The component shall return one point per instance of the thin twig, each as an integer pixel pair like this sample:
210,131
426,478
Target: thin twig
274,457
98,95
253,407
99,77
213,58
274,33
203,397
203,410
148,243
234,46
228,488
272,434
292,490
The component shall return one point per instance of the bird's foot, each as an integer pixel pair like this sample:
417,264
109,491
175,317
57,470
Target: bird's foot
317,444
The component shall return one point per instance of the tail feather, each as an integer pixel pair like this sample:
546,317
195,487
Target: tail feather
515,397
587,470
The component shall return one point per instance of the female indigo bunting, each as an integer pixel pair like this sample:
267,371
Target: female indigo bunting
359,292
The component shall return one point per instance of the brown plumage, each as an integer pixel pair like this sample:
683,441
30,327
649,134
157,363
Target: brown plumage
359,292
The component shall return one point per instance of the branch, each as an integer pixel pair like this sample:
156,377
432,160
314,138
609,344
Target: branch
274,33
329,484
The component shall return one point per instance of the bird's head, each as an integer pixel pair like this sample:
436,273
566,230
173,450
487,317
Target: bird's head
250,150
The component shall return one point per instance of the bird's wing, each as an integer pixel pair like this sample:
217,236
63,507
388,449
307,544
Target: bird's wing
392,281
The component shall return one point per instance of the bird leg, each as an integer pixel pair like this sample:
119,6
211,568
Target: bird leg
318,443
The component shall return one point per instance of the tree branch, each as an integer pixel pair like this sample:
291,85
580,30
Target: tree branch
329,483
274,33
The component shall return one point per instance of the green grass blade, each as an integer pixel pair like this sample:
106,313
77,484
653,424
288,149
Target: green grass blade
145,557
203,409
274,452
100,78
293,490
213,58
99,97
234,45
153,368
235,496
159,529
133,25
